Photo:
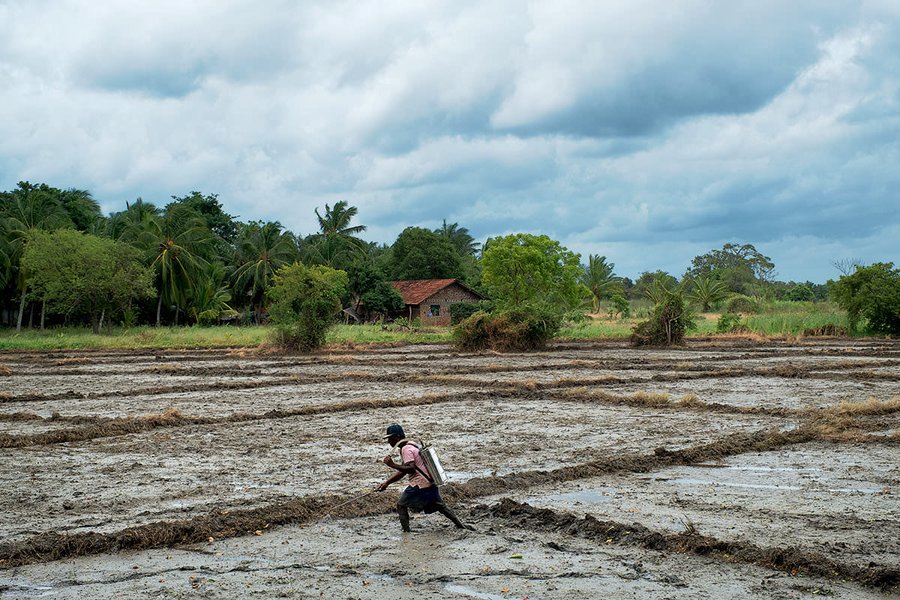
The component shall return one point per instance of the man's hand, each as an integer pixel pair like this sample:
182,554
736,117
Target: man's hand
381,487
389,461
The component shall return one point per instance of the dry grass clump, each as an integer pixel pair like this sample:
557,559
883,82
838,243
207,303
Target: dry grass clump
869,406
650,398
829,330
690,401
5,371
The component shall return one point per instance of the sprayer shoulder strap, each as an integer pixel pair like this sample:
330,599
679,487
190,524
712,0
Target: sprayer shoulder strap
420,446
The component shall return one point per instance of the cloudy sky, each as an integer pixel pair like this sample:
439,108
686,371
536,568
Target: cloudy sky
647,131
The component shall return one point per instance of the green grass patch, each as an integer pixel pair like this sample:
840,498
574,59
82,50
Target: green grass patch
777,319
73,338
793,323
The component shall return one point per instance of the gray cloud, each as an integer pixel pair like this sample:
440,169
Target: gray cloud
649,132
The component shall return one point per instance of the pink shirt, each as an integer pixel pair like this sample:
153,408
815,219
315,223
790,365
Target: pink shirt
410,453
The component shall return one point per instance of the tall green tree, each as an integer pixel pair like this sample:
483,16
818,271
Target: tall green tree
871,293
743,268
524,269
77,274
420,253
336,244
599,277
177,246
648,282
26,210
464,243
261,249
208,207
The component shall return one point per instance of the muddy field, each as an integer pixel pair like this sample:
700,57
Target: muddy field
722,469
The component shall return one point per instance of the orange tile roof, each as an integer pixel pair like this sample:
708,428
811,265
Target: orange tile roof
416,291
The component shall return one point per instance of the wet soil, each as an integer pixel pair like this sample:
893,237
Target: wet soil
168,447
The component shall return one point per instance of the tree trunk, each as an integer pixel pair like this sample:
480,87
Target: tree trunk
95,323
176,315
43,312
21,312
102,315
158,309
31,317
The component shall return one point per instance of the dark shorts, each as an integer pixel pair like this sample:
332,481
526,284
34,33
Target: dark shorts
426,500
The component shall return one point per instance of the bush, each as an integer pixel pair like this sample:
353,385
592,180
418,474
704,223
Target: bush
619,306
461,311
741,304
801,293
305,301
525,328
729,322
668,322
871,293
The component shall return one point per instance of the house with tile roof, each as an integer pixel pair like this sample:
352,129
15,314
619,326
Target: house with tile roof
429,299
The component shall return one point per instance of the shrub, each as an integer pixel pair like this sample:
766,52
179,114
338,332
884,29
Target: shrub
619,306
871,293
728,322
741,304
668,322
801,293
305,301
523,328
461,311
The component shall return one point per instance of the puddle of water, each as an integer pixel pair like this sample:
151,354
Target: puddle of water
596,496
467,591
769,469
466,475
31,590
759,486
764,486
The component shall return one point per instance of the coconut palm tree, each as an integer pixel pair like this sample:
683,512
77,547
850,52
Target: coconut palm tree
707,290
262,248
464,243
336,244
176,246
599,278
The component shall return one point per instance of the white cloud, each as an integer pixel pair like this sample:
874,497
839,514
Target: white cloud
657,130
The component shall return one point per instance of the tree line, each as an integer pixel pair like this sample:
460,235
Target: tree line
188,261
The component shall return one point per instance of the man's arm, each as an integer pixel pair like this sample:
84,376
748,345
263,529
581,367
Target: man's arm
393,478
402,470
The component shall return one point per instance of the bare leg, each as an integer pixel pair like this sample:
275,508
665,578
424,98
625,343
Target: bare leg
404,517
447,512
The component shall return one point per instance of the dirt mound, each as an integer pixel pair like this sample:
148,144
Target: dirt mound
792,560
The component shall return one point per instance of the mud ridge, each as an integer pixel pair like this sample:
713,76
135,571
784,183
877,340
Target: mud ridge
792,560
54,546
101,427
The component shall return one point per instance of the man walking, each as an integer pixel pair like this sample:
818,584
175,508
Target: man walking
421,495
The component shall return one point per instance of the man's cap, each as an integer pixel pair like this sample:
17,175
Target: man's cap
395,429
